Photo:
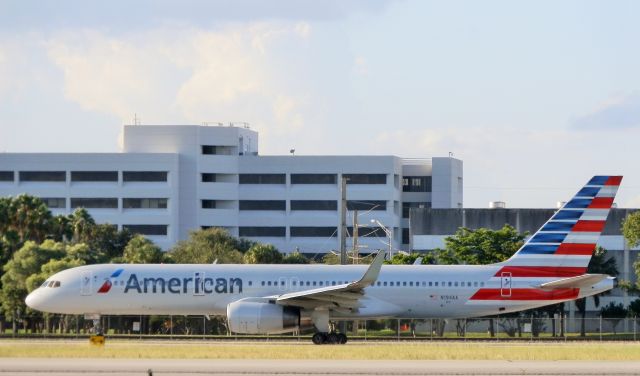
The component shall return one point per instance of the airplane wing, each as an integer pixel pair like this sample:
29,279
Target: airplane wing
345,296
580,281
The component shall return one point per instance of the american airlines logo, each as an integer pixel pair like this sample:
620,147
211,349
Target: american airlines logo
106,286
198,285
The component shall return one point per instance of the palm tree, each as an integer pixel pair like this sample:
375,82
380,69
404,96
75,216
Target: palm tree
81,223
599,264
30,217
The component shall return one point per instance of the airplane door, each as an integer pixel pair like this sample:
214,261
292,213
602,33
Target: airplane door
505,285
86,284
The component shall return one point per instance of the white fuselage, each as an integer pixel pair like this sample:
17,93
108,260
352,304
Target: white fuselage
403,291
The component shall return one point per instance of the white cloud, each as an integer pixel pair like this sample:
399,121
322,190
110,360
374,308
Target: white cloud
618,112
360,66
186,75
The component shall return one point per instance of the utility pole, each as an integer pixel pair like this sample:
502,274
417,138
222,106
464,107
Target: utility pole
356,254
343,221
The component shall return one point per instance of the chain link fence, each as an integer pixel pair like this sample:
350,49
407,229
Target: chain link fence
215,327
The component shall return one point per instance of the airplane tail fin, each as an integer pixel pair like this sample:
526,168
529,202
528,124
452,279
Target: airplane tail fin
563,246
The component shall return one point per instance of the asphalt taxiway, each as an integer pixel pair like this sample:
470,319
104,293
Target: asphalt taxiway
186,367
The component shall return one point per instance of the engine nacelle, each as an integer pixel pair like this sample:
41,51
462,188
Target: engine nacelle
249,317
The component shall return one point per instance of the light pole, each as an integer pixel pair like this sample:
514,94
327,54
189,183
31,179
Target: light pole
389,235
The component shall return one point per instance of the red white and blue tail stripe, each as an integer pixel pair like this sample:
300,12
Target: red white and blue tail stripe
563,246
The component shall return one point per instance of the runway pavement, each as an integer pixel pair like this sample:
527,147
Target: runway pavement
183,367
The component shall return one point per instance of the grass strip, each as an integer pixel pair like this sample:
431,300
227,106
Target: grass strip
355,351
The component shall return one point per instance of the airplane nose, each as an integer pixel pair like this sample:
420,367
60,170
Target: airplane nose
34,300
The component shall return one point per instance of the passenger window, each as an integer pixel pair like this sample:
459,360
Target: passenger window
481,284
314,283
430,284
333,283
475,284
262,283
410,283
269,283
468,284
455,284
250,283
308,283
384,283
449,284
293,283
320,283
404,283
436,284
281,283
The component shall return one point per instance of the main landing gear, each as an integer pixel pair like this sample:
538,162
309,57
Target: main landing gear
332,338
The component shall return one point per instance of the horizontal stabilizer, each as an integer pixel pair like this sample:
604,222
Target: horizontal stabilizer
577,282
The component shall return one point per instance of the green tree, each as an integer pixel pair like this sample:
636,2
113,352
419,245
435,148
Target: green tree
25,262
634,308
614,313
599,264
481,246
403,259
141,250
263,254
207,246
295,258
631,232
81,224
331,258
106,242
631,228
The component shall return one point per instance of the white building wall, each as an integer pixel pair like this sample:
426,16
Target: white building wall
447,183
179,150
120,189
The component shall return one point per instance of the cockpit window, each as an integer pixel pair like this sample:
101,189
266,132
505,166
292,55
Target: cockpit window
56,284
44,284
50,283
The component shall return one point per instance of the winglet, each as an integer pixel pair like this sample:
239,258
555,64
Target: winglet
371,275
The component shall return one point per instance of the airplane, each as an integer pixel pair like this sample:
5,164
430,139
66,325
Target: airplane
550,268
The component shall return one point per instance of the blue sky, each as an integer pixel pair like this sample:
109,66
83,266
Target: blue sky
535,96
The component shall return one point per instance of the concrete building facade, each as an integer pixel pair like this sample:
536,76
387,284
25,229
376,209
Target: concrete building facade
169,180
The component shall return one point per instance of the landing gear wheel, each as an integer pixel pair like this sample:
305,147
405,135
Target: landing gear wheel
319,338
342,338
332,338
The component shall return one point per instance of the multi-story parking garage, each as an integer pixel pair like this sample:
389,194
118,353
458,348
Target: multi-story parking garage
168,180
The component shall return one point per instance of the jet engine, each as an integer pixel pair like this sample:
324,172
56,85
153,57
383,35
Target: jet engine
249,317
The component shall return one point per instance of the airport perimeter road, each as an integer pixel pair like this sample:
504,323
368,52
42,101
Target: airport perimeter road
183,367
